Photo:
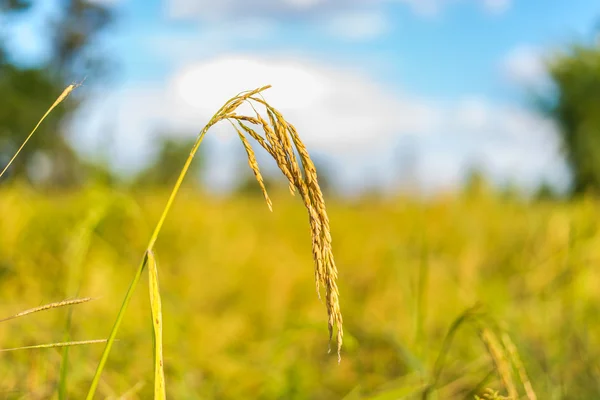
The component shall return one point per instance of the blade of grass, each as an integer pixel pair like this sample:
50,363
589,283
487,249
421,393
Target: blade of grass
53,345
115,329
155,304
438,367
59,100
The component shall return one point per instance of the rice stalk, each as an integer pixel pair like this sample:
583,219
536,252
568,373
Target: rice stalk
280,140
59,100
465,317
112,336
498,355
506,357
284,142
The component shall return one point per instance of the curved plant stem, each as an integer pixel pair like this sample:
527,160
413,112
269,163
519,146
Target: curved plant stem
282,142
142,266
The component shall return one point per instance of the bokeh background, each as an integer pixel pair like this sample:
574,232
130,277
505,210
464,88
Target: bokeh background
458,143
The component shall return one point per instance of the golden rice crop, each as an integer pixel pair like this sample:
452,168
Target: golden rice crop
281,141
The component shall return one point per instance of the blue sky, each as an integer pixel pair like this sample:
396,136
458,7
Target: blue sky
373,85
447,53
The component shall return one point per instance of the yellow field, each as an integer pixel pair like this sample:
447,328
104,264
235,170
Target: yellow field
242,319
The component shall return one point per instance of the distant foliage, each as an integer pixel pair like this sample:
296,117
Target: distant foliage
28,91
168,162
575,107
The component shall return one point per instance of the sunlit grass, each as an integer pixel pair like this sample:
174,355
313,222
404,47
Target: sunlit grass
245,321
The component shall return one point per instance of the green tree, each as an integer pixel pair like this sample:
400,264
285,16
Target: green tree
575,108
27,92
14,5
168,163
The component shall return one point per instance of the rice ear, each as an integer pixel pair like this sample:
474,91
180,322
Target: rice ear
282,142
254,166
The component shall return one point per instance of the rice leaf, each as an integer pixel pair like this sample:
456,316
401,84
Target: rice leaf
155,304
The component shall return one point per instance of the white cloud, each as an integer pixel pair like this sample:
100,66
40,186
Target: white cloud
359,25
224,9
335,109
433,7
106,2
123,123
338,112
508,142
497,6
524,65
346,19
424,7
473,114
185,48
353,120
303,4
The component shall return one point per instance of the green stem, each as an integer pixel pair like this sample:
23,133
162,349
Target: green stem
136,279
221,114
113,333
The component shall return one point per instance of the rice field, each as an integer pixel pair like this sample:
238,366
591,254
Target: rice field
241,318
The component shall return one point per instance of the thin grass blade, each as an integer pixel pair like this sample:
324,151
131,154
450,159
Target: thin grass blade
54,345
115,329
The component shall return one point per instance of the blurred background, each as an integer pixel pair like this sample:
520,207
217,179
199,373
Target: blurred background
458,143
